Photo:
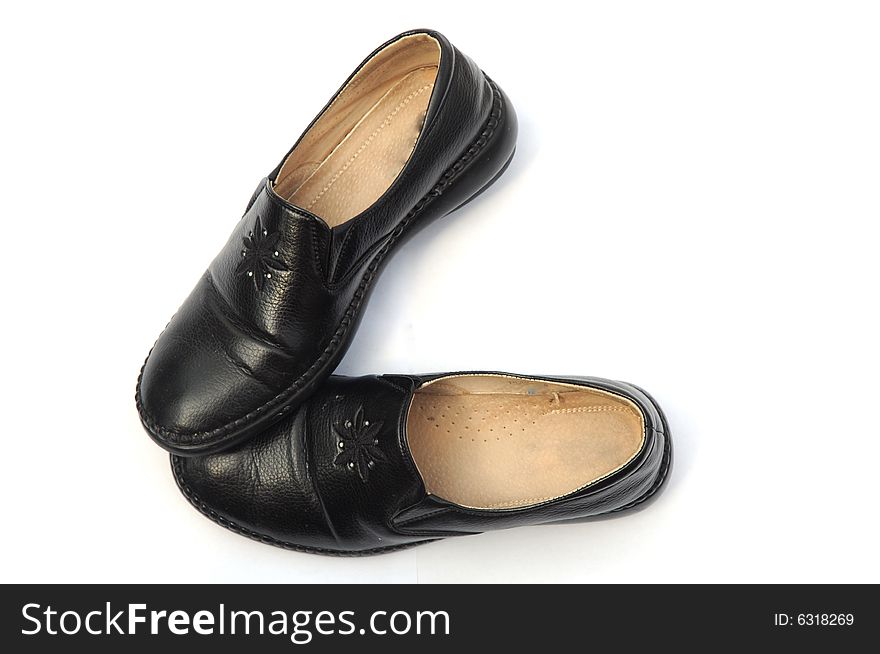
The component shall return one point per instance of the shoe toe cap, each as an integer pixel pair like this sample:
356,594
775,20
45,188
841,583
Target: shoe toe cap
260,489
207,382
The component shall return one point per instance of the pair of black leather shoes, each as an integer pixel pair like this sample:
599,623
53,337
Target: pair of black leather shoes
238,387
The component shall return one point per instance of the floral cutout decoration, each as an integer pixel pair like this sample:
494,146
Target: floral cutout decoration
259,257
358,444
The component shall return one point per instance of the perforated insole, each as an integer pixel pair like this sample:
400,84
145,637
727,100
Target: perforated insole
370,157
506,450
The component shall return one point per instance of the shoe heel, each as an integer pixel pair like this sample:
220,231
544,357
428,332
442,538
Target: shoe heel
491,158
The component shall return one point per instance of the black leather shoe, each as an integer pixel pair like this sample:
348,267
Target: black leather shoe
373,464
416,132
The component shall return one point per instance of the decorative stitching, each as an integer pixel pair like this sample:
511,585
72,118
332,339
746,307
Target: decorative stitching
359,77
171,437
365,144
527,503
592,409
259,256
319,265
355,82
359,444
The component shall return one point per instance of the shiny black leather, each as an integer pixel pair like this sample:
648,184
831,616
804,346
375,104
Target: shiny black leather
242,352
288,486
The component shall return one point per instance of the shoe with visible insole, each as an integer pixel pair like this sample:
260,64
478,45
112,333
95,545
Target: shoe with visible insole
373,464
416,132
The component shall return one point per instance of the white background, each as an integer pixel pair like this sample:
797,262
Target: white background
693,207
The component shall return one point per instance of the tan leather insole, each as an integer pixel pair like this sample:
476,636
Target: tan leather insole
370,157
495,442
